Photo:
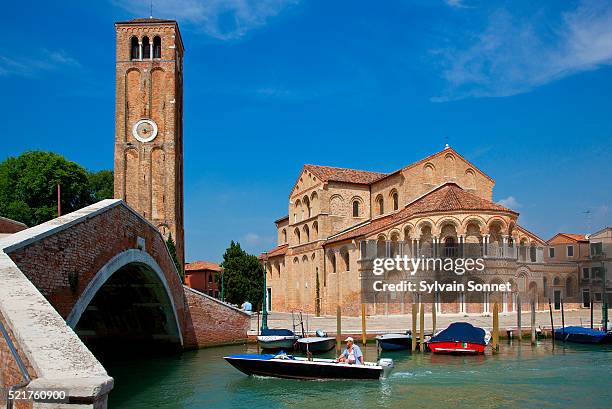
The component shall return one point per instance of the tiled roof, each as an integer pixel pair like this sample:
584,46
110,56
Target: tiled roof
568,238
146,21
281,219
445,198
276,251
202,265
328,173
577,237
364,177
531,234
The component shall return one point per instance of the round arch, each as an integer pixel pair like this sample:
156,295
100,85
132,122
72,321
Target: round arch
123,259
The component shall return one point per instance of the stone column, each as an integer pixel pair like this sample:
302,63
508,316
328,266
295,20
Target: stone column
139,49
434,242
504,246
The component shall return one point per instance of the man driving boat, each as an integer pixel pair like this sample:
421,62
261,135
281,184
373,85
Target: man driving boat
352,354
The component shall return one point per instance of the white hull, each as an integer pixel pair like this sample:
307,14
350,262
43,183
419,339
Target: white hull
276,342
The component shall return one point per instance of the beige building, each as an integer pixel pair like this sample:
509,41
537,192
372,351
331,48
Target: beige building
433,206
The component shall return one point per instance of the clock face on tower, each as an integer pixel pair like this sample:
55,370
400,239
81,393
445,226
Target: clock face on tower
145,130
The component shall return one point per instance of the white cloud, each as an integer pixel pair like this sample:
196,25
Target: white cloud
456,3
43,60
252,239
222,19
514,54
510,202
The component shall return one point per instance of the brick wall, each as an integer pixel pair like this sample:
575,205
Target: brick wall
86,247
83,249
10,226
9,371
210,322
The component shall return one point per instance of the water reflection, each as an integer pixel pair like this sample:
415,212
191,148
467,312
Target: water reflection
520,375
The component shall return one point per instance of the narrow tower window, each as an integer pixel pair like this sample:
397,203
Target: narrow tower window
146,48
134,49
156,47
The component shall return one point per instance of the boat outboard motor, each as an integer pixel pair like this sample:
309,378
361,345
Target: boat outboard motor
387,366
320,333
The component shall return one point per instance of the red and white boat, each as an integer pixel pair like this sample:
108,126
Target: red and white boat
460,338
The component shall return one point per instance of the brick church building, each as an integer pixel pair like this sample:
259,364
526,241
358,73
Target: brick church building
437,203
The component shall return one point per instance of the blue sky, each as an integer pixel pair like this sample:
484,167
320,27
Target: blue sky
521,89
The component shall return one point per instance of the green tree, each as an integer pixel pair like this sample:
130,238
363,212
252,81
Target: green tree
243,276
101,185
28,186
172,250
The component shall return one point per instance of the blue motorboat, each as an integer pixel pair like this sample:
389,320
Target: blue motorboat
394,342
291,367
583,335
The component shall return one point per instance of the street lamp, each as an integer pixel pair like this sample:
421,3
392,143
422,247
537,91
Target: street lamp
264,313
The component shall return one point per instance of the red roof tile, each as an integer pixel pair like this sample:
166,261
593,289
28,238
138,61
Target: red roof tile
276,251
568,238
202,265
445,198
328,173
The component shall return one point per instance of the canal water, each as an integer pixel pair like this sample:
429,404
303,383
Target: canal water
520,376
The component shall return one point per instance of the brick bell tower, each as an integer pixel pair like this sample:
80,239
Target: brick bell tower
149,123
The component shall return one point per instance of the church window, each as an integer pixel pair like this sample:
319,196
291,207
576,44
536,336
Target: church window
134,49
297,235
156,47
380,203
146,48
356,208
395,201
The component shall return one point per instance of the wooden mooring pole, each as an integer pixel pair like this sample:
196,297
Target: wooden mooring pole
562,321
533,322
519,314
338,329
414,326
552,323
422,324
433,318
591,312
363,324
495,345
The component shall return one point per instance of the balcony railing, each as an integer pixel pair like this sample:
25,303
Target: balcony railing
524,254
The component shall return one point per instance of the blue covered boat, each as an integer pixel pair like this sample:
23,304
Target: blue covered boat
460,338
583,335
288,366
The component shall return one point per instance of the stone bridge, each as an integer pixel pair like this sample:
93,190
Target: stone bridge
96,277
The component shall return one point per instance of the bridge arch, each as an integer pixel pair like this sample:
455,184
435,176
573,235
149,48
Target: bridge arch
133,272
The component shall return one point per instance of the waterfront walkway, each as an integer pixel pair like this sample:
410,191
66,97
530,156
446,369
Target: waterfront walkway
380,324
